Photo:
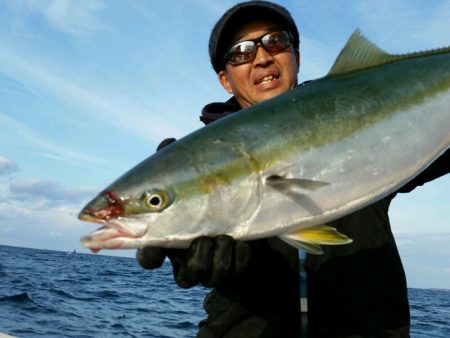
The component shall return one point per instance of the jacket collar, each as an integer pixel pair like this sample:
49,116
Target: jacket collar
216,110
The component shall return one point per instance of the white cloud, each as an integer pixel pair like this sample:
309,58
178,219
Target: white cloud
35,211
41,224
72,17
110,109
7,166
27,137
35,189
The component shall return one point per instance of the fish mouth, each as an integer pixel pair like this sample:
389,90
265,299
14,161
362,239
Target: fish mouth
116,230
89,217
111,235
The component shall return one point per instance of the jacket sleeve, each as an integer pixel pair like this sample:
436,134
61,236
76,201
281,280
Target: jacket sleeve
438,168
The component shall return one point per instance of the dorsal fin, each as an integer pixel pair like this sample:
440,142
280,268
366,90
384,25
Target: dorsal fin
360,53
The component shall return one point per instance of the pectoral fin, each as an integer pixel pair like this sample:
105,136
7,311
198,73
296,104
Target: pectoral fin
310,239
296,184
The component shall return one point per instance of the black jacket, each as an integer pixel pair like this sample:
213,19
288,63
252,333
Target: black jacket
356,290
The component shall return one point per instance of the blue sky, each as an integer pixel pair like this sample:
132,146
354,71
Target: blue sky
89,88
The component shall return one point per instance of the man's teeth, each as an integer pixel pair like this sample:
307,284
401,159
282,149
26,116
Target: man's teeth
267,79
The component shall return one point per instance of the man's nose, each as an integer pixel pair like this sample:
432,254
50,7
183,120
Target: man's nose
262,57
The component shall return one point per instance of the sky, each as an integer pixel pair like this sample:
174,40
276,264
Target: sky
88,89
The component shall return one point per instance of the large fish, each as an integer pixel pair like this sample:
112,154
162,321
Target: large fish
288,165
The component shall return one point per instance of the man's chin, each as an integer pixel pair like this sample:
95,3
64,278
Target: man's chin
270,93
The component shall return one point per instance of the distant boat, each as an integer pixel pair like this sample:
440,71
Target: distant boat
71,252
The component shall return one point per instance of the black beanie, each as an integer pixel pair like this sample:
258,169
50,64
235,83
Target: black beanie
238,15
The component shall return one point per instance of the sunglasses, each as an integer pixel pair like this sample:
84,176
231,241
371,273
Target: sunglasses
245,51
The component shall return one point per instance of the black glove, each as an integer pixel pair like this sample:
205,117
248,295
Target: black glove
256,284
208,261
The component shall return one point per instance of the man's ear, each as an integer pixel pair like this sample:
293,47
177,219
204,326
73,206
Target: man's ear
297,57
224,81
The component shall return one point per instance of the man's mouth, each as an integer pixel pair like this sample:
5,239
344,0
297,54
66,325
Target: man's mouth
266,79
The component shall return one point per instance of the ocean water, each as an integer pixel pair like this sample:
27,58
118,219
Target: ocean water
47,293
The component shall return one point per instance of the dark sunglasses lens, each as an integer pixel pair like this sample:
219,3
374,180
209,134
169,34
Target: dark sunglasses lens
244,51
276,41
241,52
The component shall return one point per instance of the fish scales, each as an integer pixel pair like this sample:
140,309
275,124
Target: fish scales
354,135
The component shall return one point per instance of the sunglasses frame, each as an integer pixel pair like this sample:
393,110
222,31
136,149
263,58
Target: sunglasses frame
259,40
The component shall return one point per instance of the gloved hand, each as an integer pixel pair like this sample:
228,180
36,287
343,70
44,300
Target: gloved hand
256,284
208,260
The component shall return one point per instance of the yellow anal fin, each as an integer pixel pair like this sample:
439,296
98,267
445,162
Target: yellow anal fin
310,239
308,247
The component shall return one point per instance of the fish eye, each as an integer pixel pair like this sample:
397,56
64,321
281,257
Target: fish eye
156,200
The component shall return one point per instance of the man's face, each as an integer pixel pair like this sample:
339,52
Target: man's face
266,76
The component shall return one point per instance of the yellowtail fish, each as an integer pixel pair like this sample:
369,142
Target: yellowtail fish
287,166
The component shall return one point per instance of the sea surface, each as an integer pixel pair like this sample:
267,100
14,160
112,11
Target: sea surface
46,293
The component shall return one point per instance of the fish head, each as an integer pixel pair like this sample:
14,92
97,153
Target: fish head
137,209
124,216
176,195
164,201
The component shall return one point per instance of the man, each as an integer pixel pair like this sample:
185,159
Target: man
358,290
